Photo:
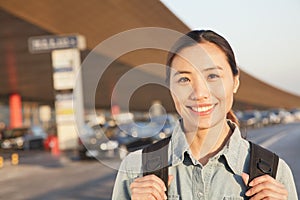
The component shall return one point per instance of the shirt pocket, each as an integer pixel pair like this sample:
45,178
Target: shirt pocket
173,197
233,198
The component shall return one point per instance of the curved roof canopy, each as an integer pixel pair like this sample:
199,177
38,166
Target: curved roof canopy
31,74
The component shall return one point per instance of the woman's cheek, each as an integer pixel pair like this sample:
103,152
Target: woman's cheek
179,96
177,102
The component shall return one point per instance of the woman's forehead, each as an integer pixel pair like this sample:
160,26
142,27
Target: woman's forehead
201,56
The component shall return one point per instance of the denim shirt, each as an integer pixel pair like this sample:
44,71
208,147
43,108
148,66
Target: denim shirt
220,178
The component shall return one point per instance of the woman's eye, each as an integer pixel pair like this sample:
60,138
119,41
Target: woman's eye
213,76
183,80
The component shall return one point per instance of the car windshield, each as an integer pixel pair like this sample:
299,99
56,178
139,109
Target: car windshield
142,129
13,133
37,131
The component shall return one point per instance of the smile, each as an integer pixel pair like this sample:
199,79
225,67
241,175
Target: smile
202,110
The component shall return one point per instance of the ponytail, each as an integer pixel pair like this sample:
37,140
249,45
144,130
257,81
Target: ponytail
232,117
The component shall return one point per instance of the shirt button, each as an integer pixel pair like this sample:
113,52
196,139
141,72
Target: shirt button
200,194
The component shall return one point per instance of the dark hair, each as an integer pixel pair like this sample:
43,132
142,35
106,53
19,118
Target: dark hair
202,36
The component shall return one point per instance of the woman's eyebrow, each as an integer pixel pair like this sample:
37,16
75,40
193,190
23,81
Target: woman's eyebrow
206,69
182,72
213,68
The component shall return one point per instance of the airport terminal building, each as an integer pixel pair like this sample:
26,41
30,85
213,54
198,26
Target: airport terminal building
33,83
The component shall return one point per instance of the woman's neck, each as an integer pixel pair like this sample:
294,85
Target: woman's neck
206,143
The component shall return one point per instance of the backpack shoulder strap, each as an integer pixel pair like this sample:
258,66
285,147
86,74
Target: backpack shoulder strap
262,161
155,160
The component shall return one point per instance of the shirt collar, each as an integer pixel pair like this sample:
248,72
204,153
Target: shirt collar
178,145
235,151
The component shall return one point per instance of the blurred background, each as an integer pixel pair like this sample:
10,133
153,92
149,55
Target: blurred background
38,136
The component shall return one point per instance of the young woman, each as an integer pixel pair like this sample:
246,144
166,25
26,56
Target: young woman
207,158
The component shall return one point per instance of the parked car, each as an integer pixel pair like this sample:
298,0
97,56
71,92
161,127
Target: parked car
284,116
265,118
136,135
250,119
273,117
24,138
97,142
287,117
269,118
117,140
296,113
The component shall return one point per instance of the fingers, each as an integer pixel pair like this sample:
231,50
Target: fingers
148,187
266,187
170,179
262,179
245,178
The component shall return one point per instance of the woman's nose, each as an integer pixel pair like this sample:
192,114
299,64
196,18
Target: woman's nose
200,90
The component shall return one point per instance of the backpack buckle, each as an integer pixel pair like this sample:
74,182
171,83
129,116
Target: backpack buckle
264,166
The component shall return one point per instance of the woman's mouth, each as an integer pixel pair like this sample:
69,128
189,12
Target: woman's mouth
202,109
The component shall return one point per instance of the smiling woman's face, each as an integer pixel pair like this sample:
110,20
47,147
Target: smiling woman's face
202,86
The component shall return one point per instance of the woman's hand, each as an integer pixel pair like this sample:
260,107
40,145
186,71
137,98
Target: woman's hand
265,187
149,188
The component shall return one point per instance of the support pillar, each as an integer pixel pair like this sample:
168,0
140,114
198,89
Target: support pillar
15,109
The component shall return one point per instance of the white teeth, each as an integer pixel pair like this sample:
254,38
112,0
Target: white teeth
202,109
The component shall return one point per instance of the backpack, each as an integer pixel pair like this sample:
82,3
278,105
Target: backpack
155,161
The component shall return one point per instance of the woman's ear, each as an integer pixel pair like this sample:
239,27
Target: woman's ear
236,83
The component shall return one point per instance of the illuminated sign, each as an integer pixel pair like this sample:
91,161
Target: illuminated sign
42,44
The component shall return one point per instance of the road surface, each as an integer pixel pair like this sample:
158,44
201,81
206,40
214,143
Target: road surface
41,176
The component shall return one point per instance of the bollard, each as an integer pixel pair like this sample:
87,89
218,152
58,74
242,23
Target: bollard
14,159
55,151
1,162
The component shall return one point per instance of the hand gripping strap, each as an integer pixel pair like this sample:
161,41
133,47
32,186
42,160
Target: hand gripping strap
155,160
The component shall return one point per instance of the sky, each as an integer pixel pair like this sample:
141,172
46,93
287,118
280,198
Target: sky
264,35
